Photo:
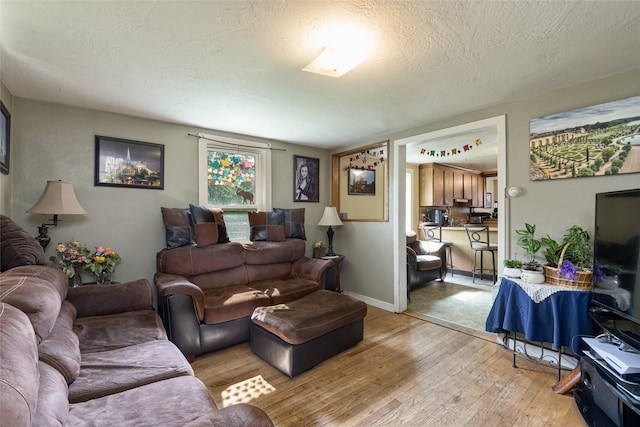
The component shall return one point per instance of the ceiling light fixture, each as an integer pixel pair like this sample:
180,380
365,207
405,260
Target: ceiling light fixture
335,61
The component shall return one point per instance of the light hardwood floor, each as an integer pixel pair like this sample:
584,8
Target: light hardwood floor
406,371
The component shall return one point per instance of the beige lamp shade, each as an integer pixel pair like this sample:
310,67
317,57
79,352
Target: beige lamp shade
58,198
330,217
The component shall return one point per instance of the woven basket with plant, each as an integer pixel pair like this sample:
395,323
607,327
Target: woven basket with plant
569,262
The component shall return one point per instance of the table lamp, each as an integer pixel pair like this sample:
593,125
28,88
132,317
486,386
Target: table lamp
58,198
331,219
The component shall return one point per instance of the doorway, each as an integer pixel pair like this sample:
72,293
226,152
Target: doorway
399,155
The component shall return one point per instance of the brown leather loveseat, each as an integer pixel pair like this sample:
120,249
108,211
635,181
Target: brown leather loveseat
94,355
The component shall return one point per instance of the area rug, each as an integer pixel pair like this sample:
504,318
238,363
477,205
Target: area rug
463,305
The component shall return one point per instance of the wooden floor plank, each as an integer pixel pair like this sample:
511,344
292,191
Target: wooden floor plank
406,371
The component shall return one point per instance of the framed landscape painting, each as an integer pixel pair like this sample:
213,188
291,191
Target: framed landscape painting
362,182
129,164
600,140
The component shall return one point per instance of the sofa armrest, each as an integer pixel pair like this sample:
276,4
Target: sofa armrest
100,300
412,258
311,268
173,284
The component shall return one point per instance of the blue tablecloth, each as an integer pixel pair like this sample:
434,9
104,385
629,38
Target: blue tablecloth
556,319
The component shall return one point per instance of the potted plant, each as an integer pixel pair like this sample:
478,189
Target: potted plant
512,268
319,249
570,260
531,271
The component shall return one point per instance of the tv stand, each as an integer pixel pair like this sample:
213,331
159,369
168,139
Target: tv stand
606,397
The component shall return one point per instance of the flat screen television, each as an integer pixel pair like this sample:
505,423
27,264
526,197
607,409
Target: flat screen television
617,253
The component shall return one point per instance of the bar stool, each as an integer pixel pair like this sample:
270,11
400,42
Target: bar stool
434,232
479,241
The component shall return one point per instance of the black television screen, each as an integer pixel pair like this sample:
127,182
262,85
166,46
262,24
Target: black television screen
616,297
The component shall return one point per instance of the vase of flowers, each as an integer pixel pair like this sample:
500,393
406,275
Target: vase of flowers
71,256
102,263
319,249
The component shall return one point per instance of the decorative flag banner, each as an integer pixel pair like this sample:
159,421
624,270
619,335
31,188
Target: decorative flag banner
450,152
367,160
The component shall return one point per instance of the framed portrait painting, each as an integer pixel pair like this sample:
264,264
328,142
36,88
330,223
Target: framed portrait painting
5,144
129,164
306,182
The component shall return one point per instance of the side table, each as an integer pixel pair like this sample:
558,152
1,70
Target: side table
332,276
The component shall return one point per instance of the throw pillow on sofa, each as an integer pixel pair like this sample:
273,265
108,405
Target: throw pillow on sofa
208,225
178,229
293,223
266,226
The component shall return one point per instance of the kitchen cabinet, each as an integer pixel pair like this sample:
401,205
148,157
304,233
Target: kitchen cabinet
440,185
432,186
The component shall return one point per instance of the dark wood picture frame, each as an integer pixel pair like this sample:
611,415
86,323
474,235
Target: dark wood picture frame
362,182
306,184
129,164
5,135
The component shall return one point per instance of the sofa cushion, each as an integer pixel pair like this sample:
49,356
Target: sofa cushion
19,376
293,223
36,297
53,400
428,262
214,217
177,227
266,226
17,246
190,260
231,302
289,250
114,371
173,402
286,289
102,333
61,348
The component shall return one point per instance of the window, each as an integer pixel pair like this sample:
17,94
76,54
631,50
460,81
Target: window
234,175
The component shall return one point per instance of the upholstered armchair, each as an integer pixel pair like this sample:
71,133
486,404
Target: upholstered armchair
426,261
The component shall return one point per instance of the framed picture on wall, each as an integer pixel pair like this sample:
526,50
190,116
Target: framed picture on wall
488,200
362,182
130,164
5,144
306,182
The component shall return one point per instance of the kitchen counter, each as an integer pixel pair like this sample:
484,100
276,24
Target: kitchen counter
491,228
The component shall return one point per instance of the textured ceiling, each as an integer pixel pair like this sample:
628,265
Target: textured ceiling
236,65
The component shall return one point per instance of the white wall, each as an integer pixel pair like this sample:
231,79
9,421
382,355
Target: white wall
54,142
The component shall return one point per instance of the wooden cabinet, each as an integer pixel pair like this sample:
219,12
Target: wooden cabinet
440,185
477,191
432,186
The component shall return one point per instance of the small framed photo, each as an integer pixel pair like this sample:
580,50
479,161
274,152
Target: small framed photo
362,182
488,200
5,144
306,182
130,164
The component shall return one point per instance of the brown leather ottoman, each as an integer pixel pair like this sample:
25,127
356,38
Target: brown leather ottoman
296,336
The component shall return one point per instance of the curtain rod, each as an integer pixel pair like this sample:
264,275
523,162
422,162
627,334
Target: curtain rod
234,144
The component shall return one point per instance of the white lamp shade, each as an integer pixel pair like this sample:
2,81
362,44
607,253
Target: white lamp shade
330,217
58,198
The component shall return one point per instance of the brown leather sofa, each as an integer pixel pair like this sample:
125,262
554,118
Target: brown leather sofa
94,355
208,293
426,262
